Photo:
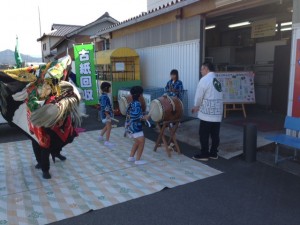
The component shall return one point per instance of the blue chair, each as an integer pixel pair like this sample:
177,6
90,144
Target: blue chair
293,125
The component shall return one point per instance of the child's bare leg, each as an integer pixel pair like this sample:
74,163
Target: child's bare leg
134,148
103,130
141,144
108,129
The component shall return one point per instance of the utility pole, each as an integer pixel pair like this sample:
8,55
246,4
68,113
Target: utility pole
41,33
40,21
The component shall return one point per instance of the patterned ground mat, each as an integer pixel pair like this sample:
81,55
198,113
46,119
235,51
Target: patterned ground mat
92,177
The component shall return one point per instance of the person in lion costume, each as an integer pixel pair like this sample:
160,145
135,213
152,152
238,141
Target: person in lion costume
44,105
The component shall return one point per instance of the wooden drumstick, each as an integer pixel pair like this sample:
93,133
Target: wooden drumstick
115,120
148,123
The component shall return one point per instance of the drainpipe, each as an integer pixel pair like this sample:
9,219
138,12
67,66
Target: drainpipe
202,42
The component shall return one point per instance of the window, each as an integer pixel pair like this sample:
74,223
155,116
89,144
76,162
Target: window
44,46
106,44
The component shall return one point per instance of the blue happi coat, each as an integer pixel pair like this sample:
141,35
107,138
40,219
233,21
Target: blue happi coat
105,106
134,116
174,88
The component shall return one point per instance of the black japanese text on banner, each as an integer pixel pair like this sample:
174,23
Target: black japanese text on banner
85,72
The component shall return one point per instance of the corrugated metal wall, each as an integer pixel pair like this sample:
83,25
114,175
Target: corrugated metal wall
178,31
157,62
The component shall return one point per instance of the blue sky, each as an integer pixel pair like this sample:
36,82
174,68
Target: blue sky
20,17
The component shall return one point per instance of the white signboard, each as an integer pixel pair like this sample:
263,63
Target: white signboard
263,28
120,66
238,87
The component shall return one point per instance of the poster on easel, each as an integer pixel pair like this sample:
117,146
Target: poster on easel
237,87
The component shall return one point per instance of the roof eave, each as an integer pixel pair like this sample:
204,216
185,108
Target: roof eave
109,19
41,38
46,35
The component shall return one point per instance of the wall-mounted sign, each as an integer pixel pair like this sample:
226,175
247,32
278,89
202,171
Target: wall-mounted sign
263,28
120,66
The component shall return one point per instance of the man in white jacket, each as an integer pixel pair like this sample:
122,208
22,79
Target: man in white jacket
209,106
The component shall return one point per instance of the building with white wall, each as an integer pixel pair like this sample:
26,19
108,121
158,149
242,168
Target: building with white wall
82,35
49,39
60,40
183,33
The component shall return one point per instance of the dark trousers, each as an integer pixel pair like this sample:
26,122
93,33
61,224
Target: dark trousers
209,130
42,156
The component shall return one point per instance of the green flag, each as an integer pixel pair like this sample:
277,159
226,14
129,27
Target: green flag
17,54
85,72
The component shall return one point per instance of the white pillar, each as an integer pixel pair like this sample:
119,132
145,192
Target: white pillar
295,38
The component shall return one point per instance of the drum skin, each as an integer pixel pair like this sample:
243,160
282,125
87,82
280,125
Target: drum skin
124,101
166,108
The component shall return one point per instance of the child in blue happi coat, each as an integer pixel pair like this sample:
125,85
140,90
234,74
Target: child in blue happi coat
133,126
174,86
106,113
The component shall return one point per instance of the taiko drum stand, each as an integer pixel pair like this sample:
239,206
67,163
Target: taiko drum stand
172,139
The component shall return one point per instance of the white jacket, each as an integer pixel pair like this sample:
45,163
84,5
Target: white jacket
209,98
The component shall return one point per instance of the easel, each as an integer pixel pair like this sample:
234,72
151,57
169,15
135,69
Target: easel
234,108
172,138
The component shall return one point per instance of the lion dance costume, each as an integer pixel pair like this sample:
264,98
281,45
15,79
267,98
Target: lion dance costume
42,103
